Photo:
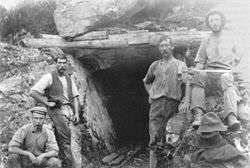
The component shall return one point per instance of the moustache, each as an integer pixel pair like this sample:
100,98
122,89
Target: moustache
39,126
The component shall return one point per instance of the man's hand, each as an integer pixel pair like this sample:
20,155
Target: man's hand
76,119
40,159
51,104
184,107
32,158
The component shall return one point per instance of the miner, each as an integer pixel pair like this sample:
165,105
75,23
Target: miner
218,54
213,150
34,144
58,92
163,82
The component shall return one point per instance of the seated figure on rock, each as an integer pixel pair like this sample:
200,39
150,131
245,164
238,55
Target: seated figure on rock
34,145
217,56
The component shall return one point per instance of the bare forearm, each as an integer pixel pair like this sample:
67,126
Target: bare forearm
187,97
76,106
38,97
147,87
16,150
50,154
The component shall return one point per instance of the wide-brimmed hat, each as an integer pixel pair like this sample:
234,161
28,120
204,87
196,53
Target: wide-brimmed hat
39,110
215,11
210,122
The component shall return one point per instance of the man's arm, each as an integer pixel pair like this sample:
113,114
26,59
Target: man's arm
38,90
17,150
49,154
201,56
185,103
76,108
41,99
75,93
149,77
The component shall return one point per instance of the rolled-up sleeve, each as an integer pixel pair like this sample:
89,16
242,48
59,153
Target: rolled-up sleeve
43,83
51,144
18,138
182,71
149,77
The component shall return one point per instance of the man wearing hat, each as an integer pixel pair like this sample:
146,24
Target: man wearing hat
34,145
213,149
218,54
58,92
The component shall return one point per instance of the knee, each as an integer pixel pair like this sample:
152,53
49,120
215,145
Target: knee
54,163
13,158
227,80
199,80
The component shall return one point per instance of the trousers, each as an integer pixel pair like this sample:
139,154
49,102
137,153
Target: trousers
18,161
161,110
207,84
63,136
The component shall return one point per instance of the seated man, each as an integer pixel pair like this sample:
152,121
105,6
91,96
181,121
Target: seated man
34,144
216,57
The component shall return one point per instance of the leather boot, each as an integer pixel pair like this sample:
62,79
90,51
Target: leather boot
198,113
233,123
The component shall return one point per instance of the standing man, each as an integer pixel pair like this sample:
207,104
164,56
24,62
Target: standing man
218,54
163,83
57,90
34,144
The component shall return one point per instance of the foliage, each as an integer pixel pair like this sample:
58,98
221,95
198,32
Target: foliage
17,75
35,17
3,14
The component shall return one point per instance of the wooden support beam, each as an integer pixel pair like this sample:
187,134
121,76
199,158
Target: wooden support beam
187,38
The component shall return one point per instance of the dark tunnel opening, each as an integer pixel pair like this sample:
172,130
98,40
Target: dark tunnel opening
126,101
124,95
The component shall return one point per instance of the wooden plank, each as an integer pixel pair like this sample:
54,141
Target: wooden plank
120,40
95,35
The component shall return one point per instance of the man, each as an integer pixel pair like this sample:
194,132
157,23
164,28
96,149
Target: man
218,54
61,98
34,145
212,149
163,83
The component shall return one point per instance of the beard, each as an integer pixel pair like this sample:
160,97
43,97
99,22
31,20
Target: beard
61,70
39,127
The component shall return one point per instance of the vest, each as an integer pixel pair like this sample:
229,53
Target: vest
55,91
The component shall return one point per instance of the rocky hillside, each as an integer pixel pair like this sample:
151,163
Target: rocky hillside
20,68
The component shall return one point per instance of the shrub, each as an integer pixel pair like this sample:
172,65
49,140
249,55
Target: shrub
35,17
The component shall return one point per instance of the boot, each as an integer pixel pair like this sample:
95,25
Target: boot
233,123
198,113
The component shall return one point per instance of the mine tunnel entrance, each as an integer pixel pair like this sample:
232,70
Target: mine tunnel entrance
124,95
126,101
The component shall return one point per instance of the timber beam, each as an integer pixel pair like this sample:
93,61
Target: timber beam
105,41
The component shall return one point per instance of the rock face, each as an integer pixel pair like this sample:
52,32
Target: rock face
76,17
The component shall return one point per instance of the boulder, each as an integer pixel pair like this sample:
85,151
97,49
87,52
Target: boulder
76,17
